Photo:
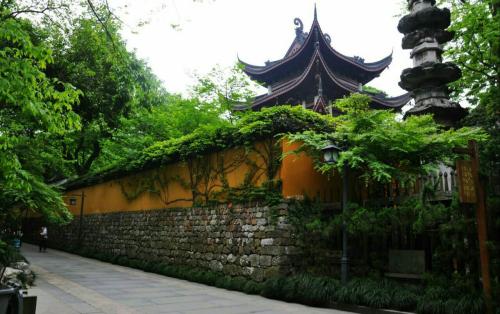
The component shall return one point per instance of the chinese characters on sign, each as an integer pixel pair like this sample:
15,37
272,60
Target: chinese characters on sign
466,189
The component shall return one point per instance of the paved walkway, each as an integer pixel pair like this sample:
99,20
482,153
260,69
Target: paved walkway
70,284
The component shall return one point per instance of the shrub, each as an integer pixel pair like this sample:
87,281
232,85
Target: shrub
272,288
404,300
237,283
434,301
302,288
252,287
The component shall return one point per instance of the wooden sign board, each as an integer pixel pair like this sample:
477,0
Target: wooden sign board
466,188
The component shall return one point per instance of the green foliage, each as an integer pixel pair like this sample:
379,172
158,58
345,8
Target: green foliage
384,148
306,289
253,127
309,218
457,296
415,213
374,293
221,89
173,118
33,109
7,254
476,50
374,90
113,81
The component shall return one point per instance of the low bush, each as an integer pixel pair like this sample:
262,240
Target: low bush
252,287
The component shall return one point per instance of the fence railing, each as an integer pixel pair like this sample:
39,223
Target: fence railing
442,182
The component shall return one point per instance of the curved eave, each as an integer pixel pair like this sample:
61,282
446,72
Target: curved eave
348,86
372,69
377,102
391,102
250,68
376,67
288,86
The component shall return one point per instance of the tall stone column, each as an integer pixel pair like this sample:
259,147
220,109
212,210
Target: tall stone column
425,33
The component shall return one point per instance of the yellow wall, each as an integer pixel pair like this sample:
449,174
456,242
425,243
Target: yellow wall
300,179
170,186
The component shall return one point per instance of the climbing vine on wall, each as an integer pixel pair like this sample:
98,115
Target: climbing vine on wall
133,187
257,140
258,126
206,177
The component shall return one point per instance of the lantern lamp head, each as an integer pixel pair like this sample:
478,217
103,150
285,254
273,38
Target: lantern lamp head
331,153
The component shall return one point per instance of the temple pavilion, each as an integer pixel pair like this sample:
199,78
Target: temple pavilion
313,74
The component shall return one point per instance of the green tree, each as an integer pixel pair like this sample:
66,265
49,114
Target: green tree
210,105
33,108
383,147
113,81
173,118
476,49
373,90
225,88
379,148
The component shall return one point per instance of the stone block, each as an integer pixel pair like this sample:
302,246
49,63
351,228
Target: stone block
258,275
279,260
244,260
231,270
261,222
231,258
267,242
292,250
216,265
254,260
265,260
272,250
248,271
272,272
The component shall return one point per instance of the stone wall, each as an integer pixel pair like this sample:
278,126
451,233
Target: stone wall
250,241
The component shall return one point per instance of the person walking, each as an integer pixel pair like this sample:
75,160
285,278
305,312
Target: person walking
43,239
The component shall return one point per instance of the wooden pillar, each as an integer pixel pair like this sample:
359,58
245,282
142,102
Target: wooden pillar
473,193
482,228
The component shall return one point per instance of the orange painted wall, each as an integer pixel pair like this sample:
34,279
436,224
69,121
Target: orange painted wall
110,197
299,179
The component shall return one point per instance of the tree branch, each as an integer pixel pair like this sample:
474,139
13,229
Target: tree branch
103,23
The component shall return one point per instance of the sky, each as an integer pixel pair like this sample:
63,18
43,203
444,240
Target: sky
183,37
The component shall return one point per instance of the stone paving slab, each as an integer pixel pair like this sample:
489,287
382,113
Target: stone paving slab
70,284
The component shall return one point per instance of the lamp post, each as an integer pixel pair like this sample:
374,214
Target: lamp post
331,154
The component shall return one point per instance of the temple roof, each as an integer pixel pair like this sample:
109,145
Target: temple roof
311,64
334,86
300,52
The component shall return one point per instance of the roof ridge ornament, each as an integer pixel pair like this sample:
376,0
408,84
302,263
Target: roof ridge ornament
328,38
359,59
315,12
300,26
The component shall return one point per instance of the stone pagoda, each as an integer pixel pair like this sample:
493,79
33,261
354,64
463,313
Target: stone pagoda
313,74
425,33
